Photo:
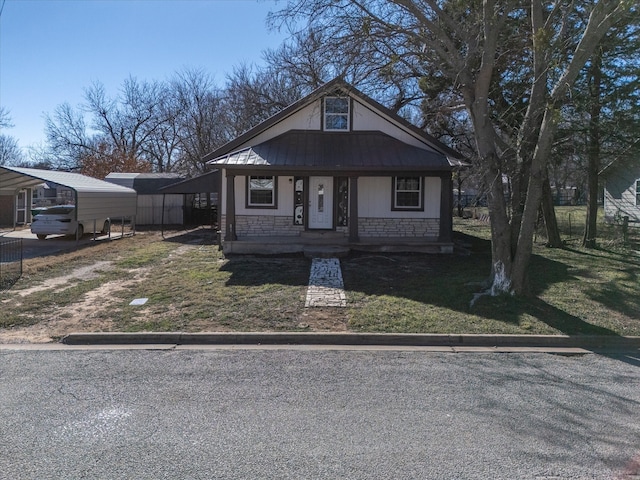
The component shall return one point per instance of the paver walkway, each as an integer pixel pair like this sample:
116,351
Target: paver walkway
326,288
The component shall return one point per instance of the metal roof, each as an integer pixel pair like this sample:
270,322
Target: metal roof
335,85
206,183
360,151
13,179
144,183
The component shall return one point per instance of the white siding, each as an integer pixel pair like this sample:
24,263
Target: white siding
285,198
620,195
364,119
374,198
367,120
101,205
307,118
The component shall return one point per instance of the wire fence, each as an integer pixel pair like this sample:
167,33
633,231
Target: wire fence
10,262
572,224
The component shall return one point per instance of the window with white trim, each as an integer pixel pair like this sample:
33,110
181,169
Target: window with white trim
336,113
261,191
407,193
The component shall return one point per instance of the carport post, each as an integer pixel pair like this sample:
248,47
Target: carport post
162,217
75,214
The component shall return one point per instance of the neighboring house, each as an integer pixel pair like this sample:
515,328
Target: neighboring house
337,169
622,191
154,207
15,206
48,194
7,209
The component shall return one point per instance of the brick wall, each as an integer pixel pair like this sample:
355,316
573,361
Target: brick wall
399,227
270,226
263,226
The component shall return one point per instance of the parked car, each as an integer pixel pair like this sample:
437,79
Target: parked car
61,220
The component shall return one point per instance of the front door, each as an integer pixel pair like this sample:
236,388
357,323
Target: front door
320,202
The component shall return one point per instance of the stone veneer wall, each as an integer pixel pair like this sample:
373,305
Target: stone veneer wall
263,226
399,227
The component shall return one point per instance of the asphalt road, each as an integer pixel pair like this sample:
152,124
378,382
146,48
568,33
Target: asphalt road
314,414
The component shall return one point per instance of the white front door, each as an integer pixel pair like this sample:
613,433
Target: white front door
321,202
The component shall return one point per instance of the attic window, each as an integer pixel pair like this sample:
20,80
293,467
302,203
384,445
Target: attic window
336,113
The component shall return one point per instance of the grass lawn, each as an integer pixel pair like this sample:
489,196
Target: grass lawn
192,287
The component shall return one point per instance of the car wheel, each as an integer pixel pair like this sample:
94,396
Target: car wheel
80,232
41,236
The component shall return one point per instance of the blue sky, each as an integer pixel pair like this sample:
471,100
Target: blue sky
51,50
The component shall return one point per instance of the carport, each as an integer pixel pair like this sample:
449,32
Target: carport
207,184
95,200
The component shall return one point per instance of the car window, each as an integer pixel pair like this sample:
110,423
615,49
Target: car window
58,211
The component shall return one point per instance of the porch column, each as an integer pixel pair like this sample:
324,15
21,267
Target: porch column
230,229
353,210
446,208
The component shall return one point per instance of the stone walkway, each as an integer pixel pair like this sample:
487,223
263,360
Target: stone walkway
326,288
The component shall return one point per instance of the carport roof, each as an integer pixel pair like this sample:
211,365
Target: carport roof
206,183
13,179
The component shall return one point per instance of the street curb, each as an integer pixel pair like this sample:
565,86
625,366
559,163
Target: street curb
372,339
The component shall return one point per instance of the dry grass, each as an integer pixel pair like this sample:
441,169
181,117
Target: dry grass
192,287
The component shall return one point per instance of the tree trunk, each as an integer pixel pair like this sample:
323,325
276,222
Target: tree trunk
549,212
593,155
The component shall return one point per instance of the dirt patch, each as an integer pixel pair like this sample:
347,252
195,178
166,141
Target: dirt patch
85,316
323,320
86,272
87,313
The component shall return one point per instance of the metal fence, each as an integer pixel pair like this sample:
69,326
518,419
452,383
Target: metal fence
10,262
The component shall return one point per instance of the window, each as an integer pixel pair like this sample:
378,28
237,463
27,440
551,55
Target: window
336,113
261,191
407,193
637,193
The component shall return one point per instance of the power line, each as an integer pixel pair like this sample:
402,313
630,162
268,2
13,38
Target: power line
2,7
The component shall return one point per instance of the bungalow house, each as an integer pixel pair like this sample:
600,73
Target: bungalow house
335,169
622,191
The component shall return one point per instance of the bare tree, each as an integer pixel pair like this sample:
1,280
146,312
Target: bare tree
5,118
464,41
10,152
199,117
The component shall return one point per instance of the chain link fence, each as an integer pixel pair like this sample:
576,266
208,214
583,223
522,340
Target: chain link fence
10,262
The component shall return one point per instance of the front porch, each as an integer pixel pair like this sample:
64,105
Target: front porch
332,244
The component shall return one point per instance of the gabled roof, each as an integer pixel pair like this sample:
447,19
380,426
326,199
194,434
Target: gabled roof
318,150
337,84
631,164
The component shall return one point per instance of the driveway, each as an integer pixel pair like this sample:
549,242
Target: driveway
32,247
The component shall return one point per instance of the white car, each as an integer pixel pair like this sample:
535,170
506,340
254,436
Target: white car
58,220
